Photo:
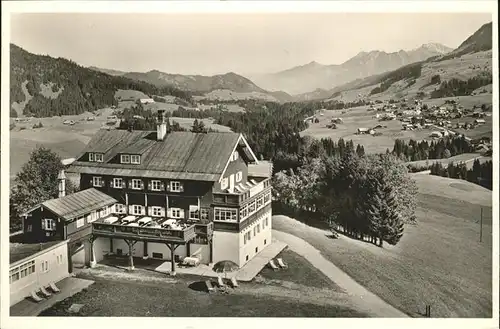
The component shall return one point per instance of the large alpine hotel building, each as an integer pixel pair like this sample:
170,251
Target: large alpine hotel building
165,195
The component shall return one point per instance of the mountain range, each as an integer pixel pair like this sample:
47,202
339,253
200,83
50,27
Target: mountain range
469,66
314,76
45,86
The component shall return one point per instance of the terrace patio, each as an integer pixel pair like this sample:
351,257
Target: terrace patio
245,273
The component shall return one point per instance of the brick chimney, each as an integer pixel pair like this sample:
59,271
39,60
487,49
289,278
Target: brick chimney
161,125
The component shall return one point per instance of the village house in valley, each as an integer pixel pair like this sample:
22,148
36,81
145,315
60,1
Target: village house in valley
176,196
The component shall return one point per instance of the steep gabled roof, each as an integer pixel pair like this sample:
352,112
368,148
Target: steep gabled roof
181,155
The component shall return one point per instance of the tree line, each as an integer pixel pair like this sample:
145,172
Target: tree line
457,87
408,72
366,197
441,149
480,173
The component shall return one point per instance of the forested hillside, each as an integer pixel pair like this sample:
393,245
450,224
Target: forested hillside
60,86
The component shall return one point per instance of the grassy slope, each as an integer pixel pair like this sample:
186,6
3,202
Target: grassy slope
360,117
439,261
468,158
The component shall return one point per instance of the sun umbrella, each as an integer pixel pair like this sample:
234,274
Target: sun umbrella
225,266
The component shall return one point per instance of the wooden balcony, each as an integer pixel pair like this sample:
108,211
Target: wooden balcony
205,229
238,198
149,234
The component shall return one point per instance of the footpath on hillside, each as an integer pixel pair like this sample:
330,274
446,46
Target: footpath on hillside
364,300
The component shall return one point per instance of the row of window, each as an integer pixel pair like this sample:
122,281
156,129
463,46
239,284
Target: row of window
254,205
124,158
22,271
156,211
28,268
138,184
93,216
256,230
225,214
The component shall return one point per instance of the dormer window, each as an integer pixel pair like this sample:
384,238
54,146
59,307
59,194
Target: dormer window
135,159
130,158
235,156
125,158
96,157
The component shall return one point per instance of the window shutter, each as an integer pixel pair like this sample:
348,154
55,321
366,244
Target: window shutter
162,186
143,210
149,185
162,212
43,224
181,187
182,213
169,213
168,186
142,185
130,209
130,183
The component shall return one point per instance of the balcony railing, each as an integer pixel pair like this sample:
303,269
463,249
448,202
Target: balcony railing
205,229
144,233
242,196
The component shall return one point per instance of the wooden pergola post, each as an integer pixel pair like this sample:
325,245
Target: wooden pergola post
130,244
111,246
145,250
172,248
93,262
211,248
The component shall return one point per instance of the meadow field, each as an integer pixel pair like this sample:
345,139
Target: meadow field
439,261
362,117
467,158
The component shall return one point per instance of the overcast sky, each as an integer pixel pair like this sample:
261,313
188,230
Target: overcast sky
243,43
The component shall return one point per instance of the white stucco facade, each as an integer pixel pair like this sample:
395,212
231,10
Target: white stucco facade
38,270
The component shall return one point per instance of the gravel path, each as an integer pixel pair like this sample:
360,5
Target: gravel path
363,300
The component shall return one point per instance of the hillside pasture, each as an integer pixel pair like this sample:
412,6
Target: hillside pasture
19,107
229,95
438,262
188,123
467,158
361,117
129,94
65,140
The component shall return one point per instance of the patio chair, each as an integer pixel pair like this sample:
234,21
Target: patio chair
209,285
45,292
53,287
273,266
35,297
234,282
281,263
